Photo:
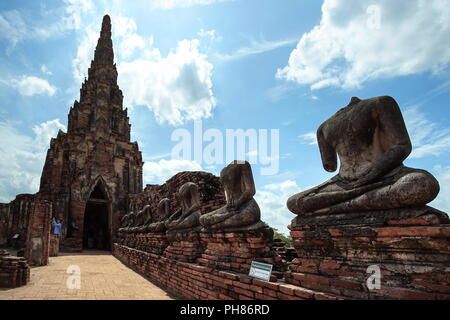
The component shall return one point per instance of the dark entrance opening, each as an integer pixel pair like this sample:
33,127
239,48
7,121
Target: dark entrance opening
96,222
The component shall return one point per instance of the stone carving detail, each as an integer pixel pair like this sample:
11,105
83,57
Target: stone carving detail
186,218
371,140
241,211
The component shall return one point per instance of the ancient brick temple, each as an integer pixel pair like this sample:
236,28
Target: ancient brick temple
90,170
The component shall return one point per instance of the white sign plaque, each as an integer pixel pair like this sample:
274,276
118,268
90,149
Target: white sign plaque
260,270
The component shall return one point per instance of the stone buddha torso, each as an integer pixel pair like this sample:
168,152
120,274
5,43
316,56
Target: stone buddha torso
359,139
159,218
186,218
241,211
371,140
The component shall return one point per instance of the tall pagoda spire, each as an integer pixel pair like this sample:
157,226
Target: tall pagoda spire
103,67
100,108
104,53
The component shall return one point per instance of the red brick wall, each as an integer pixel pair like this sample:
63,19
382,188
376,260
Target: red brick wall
192,281
410,246
14,218
14,271
38,237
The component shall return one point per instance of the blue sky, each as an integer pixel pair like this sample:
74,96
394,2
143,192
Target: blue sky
249,64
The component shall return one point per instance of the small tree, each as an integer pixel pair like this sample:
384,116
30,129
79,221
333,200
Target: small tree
286,239
278,235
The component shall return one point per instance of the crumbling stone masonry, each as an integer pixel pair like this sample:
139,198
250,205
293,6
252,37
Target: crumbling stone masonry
14,271
14,218
411,247
38,234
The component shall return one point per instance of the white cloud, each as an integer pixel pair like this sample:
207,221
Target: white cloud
351,45
426,136
85,53
175,88
23,157
45,70
12,26
75,10
442,202
171,4
255,47
159,172
45,131
272,202
30,86
211,34
309,138
131,43
125,31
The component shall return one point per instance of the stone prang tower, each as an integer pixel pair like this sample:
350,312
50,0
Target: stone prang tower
91,170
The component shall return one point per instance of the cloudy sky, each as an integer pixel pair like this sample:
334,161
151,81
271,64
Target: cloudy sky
242,64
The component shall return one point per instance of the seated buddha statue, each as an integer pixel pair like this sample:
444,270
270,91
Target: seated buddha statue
131,222
162,213
371,140
146,218
241,211
124,221
185,219
138,222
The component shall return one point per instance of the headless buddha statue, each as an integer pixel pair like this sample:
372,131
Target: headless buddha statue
124,222
145,218
241,211
371,140
162,213
130,221
137,222
185,219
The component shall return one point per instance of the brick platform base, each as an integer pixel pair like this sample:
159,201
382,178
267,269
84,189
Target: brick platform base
235,251
411,248
184,247
340,256
152,242
14,271
149,242
192,281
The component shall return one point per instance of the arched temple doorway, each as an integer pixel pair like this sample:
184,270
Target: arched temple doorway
96,231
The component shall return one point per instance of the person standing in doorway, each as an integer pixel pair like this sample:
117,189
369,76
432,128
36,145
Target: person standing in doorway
54,237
